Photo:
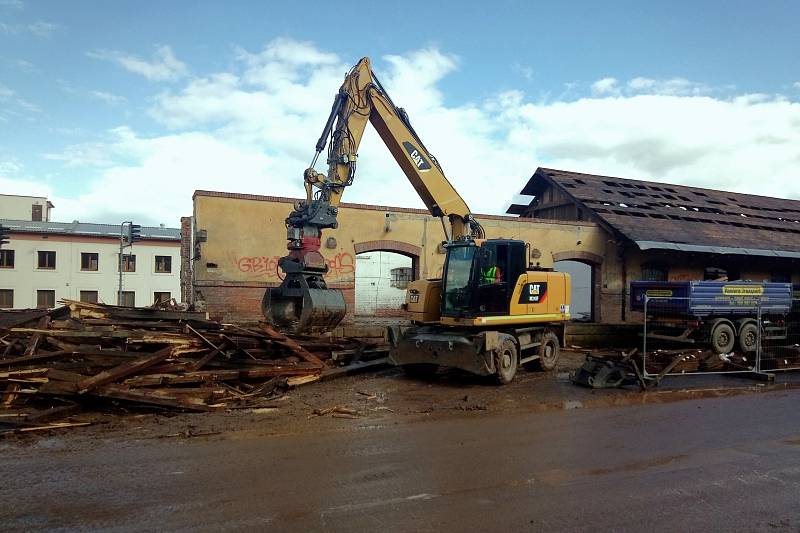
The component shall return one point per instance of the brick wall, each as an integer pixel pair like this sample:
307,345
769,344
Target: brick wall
241,303
186,260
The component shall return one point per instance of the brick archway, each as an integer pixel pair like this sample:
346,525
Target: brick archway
578,255
384,245
595,262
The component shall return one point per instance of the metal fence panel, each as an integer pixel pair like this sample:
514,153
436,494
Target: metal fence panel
779,340
677,343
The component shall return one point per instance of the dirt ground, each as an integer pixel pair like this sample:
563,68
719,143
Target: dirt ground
385,397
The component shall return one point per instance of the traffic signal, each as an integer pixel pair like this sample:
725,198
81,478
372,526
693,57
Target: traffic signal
134,233
4,236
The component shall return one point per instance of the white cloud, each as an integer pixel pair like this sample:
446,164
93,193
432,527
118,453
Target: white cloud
39,28
605,86
16,4
252,129
672,86
109,98
163,66
796,85
5,92
525,71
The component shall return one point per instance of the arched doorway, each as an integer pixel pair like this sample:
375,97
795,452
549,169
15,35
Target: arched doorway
584,269
383,270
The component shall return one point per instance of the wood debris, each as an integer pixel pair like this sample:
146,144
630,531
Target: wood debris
54,364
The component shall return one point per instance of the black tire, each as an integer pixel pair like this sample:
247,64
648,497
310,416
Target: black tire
421,370
748,337
506,361
548,352
722,338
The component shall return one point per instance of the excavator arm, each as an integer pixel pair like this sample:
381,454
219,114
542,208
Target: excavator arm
303,302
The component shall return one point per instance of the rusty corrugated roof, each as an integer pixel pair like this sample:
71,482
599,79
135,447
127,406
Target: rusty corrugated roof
652,212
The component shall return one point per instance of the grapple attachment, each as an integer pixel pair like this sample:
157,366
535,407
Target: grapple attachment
299,308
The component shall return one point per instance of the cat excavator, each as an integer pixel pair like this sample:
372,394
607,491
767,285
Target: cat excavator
489,313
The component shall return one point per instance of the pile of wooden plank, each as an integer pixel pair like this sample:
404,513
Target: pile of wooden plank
86,354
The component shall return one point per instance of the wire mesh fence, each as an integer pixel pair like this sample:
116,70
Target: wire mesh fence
779,340
680,339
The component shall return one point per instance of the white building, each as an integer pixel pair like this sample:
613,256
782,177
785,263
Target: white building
48,261
34,208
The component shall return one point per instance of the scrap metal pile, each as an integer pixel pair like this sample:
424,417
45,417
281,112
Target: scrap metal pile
54,363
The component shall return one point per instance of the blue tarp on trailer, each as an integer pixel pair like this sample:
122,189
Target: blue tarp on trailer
711,298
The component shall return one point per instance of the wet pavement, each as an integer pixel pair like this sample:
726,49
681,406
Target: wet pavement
452,455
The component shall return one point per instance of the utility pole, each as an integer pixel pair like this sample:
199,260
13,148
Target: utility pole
128,234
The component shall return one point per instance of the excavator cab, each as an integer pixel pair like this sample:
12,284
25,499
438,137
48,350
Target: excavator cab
480,276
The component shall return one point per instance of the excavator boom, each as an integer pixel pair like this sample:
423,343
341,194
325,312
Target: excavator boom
303,302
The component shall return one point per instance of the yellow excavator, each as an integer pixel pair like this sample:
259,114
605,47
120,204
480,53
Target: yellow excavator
489,313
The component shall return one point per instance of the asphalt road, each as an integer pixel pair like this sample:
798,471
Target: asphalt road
717,464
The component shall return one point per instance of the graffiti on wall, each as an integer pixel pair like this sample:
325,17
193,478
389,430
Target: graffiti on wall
341,266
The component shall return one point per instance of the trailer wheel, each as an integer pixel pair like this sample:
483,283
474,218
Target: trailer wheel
548,352
722,338
421,370
506,360
748,337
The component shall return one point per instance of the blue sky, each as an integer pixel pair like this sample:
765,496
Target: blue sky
175,96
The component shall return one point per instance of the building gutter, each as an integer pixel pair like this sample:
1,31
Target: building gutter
730,250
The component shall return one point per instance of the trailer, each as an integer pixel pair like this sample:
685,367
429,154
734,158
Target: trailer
722,314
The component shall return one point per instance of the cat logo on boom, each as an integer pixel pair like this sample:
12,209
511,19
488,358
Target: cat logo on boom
416,157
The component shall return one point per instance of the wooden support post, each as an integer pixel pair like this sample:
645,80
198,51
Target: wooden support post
123,370
280,338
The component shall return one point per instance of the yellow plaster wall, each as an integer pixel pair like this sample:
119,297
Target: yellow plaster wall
246,235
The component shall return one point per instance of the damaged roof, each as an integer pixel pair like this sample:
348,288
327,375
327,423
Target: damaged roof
678,217
87,229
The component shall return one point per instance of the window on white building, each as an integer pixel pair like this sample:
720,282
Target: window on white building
128,299
128,262
6,258
400,277
47,260
45,299
164,264
89,261
89,296
6,298
159,297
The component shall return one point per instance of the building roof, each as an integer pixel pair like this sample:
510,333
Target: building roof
87,229
678,217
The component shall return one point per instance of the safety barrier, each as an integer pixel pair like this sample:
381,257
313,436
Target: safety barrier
677,342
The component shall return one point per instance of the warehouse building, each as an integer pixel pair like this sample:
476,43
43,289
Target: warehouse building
664,232
605,231
237,240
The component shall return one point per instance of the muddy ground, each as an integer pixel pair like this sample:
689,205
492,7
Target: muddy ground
387,396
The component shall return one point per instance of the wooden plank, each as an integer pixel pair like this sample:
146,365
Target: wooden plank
296,381
53,413
208,357
118,392
291,344
31,358
33,344
202,376
123,370
354,368
62,375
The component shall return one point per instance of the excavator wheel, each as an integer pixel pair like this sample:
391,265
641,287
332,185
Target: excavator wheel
548,352
506,360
